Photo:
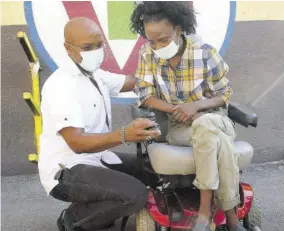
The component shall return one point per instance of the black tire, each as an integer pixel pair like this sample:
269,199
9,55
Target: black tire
144,221
254,217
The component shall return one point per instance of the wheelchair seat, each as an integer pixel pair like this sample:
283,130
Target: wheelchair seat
174,160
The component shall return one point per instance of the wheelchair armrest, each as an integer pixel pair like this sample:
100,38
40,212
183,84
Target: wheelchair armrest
242,115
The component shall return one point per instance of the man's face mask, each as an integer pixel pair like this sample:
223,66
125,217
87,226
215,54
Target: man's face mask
169,51
92,60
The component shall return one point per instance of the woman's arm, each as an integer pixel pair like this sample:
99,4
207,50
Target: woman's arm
158,104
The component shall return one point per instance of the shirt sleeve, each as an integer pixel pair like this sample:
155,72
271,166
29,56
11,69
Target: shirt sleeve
216,73
144,87
114,82
62,106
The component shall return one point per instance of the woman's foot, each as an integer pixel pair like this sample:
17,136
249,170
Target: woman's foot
201,227
233,222
202,223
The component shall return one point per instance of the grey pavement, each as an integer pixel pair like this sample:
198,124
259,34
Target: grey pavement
25,206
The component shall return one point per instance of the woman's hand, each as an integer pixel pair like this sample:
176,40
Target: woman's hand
184,112
136,131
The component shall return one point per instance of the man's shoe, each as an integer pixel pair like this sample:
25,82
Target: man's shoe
60,221
109,228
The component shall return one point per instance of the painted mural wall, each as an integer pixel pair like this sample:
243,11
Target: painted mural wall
122,46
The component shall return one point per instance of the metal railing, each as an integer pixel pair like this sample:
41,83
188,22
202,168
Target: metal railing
33,99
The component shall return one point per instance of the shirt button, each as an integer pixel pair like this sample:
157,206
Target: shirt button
65,119
95,105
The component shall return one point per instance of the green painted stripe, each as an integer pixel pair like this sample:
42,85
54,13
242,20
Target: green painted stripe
119,20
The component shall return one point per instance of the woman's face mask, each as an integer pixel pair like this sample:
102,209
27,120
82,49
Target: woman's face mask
92,60
169,51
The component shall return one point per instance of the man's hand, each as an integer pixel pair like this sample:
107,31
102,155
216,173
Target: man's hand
129,83
136,131
186,111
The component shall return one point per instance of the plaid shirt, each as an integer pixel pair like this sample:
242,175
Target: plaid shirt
201,70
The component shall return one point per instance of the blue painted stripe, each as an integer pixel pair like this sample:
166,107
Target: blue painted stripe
44,55
230,28
122,101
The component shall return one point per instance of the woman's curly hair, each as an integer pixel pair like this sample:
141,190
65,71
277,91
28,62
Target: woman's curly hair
177,13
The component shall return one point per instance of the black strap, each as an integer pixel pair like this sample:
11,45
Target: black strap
94,82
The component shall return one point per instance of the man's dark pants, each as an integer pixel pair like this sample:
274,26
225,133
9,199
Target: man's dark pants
99,196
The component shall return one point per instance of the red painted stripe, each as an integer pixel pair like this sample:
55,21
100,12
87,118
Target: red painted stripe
131,64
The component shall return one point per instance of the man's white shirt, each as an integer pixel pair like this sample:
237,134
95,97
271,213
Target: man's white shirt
69,99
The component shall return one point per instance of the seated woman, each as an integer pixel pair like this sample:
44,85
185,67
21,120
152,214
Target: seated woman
179,74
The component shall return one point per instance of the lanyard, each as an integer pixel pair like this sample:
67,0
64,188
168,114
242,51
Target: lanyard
97,86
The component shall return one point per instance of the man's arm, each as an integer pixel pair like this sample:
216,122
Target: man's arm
81,142
117,83
129,83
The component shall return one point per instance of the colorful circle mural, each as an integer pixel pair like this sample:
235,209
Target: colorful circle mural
46,20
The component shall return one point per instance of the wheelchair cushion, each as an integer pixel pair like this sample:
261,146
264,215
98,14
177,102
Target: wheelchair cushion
174,160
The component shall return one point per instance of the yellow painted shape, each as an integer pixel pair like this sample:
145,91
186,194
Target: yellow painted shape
33,158
12,13
36,97
27,47
33,100
31,103
257,10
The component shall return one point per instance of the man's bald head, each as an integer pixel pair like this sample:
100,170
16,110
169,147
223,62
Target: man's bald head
81,34
80,27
